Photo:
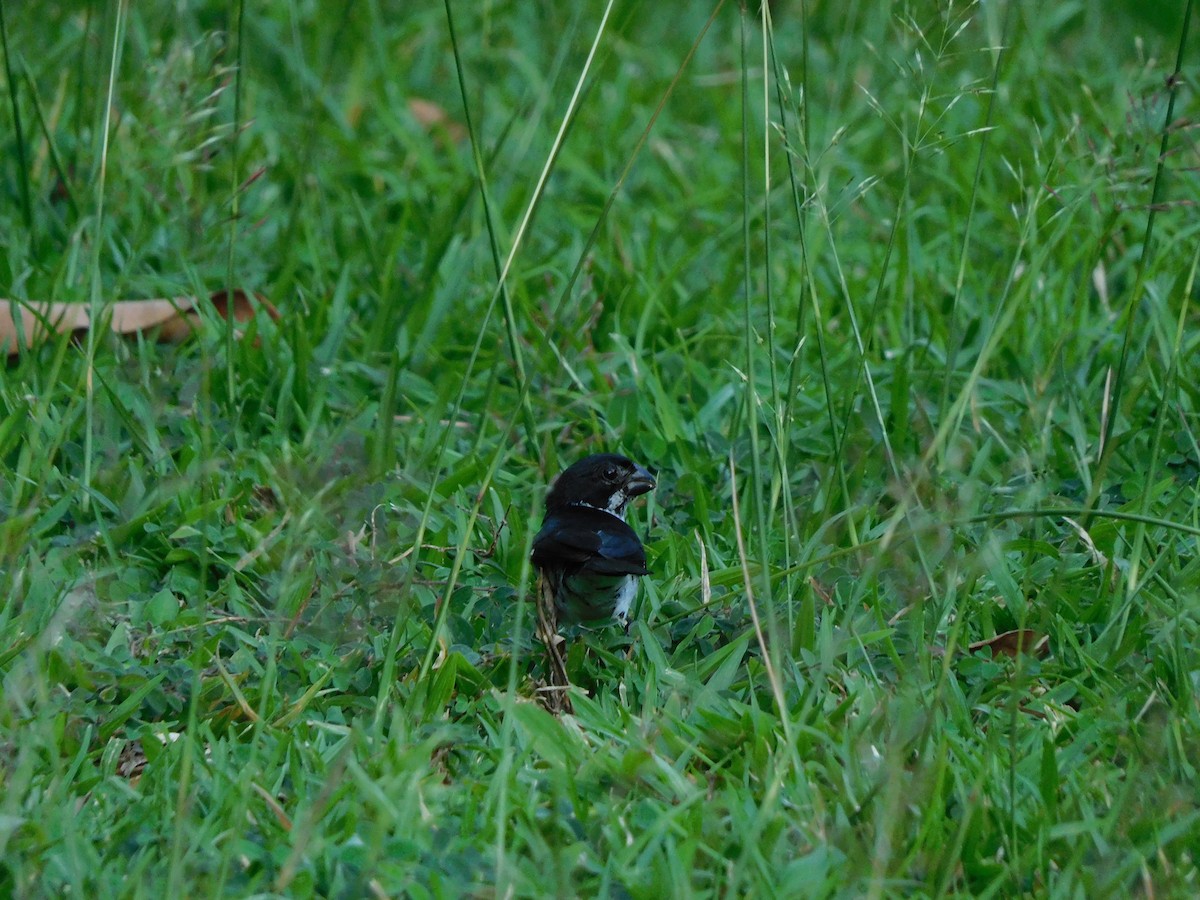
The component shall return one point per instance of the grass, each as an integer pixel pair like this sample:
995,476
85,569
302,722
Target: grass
899,301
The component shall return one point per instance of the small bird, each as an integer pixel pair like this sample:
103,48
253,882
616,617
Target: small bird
588,558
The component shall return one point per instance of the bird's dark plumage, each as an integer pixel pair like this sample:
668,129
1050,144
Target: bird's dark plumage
589,537
605,481
589,557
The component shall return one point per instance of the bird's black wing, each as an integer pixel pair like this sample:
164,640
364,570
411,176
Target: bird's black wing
581,538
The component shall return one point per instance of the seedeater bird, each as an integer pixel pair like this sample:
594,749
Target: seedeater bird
588,559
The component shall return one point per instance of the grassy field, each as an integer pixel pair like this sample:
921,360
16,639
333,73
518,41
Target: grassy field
897,299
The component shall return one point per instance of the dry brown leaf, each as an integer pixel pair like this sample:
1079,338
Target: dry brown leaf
432,117
1010,643
171,320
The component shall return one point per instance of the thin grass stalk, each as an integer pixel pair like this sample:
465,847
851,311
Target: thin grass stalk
781,486
783,94
769,649
1016,288
461,552
500,782
955,332
752,403
765,11
48,135
97,304
555,148
234,207
861,344
29,479
1157,192
181,818
764,647
18,132
909,501
535,201
82,78
809,293
1132,584
511,329
944,672
1079,512
620,182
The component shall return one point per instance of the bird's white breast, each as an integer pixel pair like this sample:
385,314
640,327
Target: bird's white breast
625,594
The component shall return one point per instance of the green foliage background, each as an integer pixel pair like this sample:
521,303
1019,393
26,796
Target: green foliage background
899,301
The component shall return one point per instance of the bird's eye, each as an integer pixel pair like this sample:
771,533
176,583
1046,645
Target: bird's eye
610,473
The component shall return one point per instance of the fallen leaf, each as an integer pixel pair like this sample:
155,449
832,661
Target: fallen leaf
432,117
171,320
1010,643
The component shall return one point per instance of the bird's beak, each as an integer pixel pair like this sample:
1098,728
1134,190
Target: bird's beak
639,482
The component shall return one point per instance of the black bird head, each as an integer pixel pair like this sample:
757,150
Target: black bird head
604,481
